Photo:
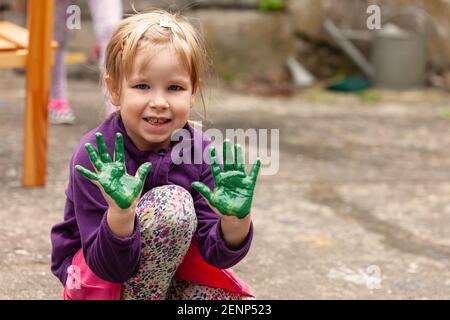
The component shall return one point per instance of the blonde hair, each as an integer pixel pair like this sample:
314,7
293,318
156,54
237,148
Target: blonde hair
152,30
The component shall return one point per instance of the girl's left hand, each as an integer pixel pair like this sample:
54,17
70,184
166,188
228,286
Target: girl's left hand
233,192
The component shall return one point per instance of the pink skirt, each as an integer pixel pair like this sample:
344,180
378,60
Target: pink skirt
83,284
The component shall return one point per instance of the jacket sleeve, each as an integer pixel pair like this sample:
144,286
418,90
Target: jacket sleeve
209,234
65,241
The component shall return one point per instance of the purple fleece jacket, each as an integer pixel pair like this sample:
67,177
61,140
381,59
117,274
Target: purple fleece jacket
116,259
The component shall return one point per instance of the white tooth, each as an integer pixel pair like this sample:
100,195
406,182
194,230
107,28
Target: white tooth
155,121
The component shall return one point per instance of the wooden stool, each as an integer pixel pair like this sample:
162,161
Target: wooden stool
33,50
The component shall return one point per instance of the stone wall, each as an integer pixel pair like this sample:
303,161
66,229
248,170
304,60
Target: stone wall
246,43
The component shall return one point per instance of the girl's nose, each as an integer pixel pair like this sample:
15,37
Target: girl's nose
159,101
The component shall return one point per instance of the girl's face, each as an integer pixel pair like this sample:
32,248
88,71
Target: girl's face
156,100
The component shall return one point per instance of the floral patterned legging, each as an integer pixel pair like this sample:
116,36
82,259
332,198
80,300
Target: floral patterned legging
168,222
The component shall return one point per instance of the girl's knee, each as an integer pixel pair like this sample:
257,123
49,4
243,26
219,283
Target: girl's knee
169,203
167,195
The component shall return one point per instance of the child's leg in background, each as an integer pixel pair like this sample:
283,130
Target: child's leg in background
106,14
168,222
58,89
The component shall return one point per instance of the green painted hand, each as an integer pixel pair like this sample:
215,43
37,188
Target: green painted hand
233,192
111,175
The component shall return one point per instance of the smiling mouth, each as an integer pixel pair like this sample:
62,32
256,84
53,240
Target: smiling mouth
156,121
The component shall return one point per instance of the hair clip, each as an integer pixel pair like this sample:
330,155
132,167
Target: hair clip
165,23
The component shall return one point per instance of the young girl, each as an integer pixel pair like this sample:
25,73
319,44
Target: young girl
193,220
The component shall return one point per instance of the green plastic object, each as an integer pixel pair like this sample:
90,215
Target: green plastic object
352,83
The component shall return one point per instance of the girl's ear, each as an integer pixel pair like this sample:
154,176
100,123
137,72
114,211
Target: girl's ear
193,97
113,94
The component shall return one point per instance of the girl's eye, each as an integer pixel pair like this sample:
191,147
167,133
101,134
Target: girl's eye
141,86
175,88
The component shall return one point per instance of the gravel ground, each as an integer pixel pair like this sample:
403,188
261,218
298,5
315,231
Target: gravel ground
358,209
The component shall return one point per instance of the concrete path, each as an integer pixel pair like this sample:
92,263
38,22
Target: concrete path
358,209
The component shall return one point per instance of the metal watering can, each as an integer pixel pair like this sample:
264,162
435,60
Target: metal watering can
398,56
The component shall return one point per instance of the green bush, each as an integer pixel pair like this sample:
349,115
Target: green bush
271,5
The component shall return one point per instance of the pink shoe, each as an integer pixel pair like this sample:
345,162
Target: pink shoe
59,112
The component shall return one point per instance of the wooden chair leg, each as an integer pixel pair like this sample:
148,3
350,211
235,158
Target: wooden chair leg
40,26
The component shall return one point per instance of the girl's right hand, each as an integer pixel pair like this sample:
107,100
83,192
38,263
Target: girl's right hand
119,189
